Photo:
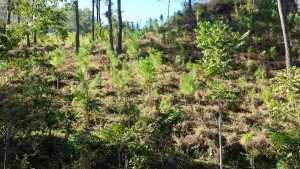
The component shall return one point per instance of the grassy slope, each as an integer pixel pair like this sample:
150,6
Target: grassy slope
198,127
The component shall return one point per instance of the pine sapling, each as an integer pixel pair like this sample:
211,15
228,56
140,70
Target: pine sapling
85,92
56,60
188,84
146,72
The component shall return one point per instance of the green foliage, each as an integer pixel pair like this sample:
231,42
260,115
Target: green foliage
287,146
218,47
286,85
246,138
263,54
41,17
132,39
129,150
286,82
242,82
285,136
260,74
84,20
188,83
121,78
297,19
273,52
85,92
218,91
249,50
249,65
48,121
156,57
266,95
146,71
252,93
181,49
193,67
198,15
9,39
113,59
244,14
171,37
179,60
166,103
56,58
116,79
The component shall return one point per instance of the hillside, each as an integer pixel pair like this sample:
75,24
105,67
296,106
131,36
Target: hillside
158,104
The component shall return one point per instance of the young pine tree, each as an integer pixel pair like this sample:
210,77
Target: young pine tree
77,42
57,61
85,92
188,84
146,72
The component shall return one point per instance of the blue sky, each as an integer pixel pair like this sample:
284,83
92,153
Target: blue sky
139,10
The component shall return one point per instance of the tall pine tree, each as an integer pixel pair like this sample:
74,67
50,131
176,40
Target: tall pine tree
119,47
77,26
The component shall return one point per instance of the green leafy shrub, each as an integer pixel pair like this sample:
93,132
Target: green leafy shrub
285,136
9,39
217,47
219,92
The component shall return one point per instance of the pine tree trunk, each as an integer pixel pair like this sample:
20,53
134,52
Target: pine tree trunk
111,41
77,26
8,18
28,39
7,141
190,5
19,20
99,12
93,20
119,48
34,37
97,9
287,43
169,4
34,32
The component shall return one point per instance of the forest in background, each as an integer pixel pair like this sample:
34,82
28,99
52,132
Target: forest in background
216,85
